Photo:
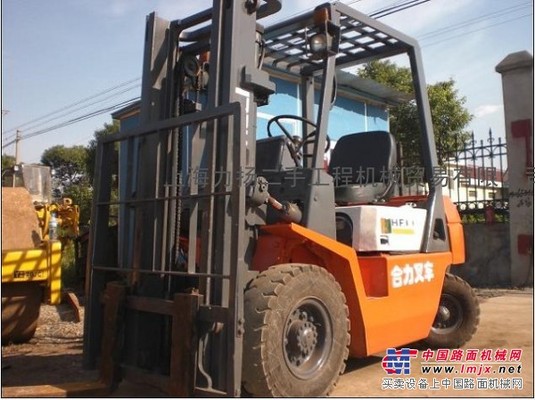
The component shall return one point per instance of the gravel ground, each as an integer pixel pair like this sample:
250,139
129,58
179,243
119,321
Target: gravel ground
54,355
57,325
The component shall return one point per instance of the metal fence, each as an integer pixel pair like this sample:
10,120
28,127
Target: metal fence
475,178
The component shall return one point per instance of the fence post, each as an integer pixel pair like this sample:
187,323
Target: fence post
517,83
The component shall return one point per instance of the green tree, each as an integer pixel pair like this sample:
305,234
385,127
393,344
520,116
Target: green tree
450,117
108,129
389,74
448,113
70,176
7,161
82,196
68,163
74,169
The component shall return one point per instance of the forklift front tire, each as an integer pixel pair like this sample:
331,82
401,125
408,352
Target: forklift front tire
457,316
296,332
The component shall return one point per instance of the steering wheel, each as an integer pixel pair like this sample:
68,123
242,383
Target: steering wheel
295,144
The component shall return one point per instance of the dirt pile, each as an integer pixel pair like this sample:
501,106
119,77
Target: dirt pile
20,226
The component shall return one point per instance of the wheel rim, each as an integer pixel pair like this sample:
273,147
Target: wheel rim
449,316
307,338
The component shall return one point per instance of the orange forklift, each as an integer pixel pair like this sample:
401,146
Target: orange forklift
221,264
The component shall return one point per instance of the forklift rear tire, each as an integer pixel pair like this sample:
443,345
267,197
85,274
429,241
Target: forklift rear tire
296,332
457,317
21,302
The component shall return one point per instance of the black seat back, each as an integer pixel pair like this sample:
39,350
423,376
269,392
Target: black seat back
272,155
362,165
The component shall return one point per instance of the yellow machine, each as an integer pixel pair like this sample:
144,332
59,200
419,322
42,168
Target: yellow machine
67,215
31,262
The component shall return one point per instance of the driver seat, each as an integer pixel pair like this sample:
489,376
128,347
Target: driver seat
362,167
272,155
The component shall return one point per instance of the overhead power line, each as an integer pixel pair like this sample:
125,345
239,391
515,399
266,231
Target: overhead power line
394,4
397,8
70,112
380,13
64,108
392,7
472,21
75,120
70,109
475,30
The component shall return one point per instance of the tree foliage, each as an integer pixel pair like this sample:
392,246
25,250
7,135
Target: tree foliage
7,161
68,163
108,129
69,175
448,113
82,196
450,117
74,168
389,74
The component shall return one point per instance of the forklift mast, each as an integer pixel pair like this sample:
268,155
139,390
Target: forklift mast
177,202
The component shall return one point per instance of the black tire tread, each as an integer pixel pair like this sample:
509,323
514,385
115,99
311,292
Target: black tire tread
465,332
263,293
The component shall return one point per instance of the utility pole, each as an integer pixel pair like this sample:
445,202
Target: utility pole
17,147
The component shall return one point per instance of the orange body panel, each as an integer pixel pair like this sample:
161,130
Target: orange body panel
405,311
392,299
455,231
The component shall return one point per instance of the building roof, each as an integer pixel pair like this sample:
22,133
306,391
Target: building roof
365,88
131,109
371,89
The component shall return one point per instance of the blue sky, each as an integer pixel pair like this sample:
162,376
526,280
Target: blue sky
57,52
